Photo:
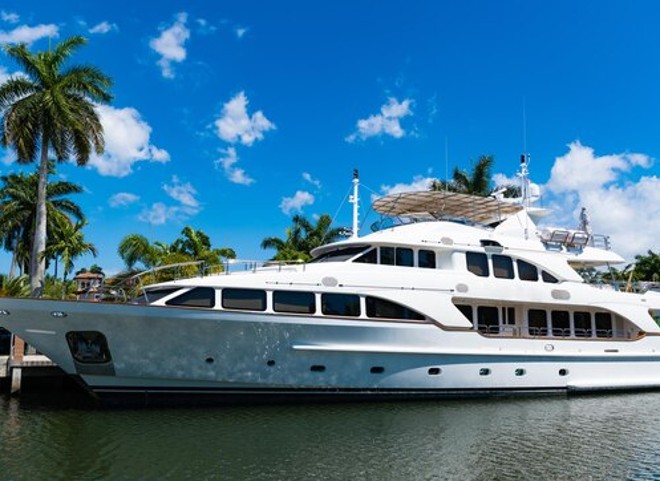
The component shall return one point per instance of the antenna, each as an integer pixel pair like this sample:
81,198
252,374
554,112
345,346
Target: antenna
355,200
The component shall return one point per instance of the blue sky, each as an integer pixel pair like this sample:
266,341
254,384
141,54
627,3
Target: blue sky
233,116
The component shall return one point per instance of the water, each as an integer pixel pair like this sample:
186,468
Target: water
556,438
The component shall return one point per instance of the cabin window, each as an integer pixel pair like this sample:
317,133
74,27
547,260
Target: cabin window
502,266
603,324
369,257
244,299
426,259
561,323
404,257
152,295
655,314
477,263
488,319
387,256
197,297
466,310
537,321
582,324
527,271
549,278
380,308
295,302
340,305
339,255
88,347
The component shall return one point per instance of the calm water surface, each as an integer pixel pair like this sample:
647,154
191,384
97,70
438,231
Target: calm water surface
599,437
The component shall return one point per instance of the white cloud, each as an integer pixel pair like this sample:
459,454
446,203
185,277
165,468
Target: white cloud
170,44
240,31
127,141
308,177
28,35
160,213
235,174
4,75
183,193
235,125
297,202
385,123
9,17
103,27
625,210
418,183
8,157
122,199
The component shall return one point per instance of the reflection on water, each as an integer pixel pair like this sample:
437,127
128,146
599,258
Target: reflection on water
599,437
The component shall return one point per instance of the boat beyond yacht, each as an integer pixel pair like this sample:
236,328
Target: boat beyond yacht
461,296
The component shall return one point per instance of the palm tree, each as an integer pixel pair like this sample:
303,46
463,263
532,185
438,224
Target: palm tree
477,182
197,245
302,237
136,248
51,108
70,244
18,206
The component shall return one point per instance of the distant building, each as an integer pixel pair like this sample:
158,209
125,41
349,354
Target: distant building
88,286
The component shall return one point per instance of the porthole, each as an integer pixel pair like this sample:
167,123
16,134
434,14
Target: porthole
210,360
270,363
317,368
563,372
377,370
434,371
520,372
484,371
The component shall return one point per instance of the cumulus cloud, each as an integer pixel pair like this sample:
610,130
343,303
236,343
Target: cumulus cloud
170,44
160,213
103,27
419,182
9,17
387,122
127,141
240,31
228,164
308,177
27,34
296,203
236,125
625,210
123,199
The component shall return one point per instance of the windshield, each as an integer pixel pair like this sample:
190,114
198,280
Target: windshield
340,255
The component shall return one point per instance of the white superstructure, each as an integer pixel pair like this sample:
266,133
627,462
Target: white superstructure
464,296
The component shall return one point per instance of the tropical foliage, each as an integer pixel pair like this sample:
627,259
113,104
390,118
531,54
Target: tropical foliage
50,108
477,182
301,238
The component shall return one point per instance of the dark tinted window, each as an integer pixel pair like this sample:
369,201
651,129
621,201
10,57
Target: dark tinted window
502,267
387,255
404,257
538,322
340,305
426,259
339,255
488,320
477,263
391,310
89,347
561,323
152,295
603,324
527,271
291,301
197,297
549,278
244,299
369,257
582,324
466,310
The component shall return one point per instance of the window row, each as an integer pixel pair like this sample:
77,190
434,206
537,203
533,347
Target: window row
503,267
540,322
292,302
398,256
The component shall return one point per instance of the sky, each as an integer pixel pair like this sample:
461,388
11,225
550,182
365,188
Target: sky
232,117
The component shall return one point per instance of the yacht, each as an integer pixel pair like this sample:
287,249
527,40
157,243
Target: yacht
454,296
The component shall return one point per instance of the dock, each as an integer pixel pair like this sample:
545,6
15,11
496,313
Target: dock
13,368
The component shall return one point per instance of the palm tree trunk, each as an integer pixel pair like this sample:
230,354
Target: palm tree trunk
38,261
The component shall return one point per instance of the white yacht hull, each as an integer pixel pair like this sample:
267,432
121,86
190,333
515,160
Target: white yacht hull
164,352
